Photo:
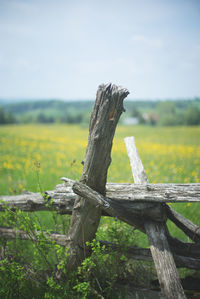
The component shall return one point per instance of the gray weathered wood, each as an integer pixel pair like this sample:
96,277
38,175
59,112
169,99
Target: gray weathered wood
154,193
182,248
131,196
62,200
10,234
85,216
132,217
144,254
63,197
164,262
168,277
111,207
131,213
189,228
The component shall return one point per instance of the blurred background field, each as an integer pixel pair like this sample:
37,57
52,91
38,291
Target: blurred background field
35,154
53,56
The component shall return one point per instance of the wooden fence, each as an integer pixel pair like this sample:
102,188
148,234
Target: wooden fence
142,205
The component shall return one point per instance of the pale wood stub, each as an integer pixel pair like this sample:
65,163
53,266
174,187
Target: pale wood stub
138,172
168,277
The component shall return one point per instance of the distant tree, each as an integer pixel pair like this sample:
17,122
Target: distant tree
6,118
168,120
26,118
41,118
166,107
71,118
44,119
2,116
10,119
51,119
137,114
167,113
192,116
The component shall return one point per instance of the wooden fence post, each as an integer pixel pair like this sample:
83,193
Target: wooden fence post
168,276
85,216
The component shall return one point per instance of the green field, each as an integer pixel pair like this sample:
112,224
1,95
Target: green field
33,155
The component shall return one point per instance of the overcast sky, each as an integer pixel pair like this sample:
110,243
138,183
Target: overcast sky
66,48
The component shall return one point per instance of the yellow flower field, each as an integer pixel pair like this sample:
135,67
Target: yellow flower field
33,155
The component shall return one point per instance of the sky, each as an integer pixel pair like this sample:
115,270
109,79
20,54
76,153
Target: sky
65,49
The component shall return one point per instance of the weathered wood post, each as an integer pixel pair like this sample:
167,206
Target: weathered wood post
168,277
86,216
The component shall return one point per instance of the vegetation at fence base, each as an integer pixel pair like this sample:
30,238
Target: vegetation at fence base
34,157
28,268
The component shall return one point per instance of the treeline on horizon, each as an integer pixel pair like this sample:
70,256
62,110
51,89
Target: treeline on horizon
162,113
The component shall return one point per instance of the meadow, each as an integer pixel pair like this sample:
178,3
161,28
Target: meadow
35,157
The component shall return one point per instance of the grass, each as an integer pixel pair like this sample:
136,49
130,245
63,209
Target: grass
48,152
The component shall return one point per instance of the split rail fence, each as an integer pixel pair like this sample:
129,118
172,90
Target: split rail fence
142,205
